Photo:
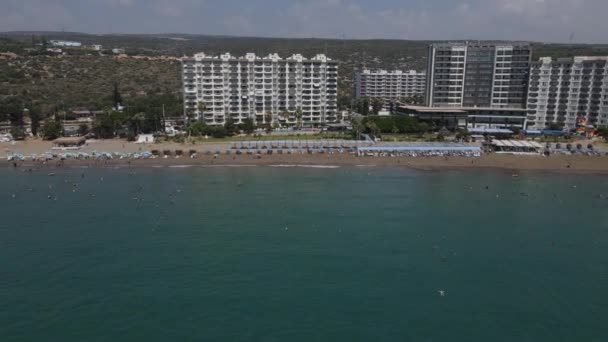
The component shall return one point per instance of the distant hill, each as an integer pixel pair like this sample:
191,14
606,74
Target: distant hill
101,71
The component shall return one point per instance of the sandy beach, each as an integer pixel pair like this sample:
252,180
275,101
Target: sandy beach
555,163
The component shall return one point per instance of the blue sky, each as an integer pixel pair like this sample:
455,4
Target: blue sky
538,20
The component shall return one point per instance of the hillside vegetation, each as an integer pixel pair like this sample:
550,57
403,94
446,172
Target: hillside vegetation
87,80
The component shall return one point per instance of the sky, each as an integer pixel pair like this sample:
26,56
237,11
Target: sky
580,21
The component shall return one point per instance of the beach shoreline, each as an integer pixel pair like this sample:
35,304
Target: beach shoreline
513,163
207,156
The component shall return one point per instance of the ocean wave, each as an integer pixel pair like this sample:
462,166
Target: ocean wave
307,166
181,166
229,165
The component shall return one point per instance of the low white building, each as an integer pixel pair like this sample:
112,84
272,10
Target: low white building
66,43
145,139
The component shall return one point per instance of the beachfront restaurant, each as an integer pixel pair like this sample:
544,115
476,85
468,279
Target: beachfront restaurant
468,117
516,146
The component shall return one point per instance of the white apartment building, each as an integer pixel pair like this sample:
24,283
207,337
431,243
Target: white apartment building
562,90
261,88
389,85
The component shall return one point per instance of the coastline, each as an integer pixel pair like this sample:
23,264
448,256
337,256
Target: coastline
556,163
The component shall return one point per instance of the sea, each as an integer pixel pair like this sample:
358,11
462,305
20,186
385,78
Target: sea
302,254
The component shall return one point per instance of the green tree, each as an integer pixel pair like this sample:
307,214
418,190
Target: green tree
344,102
229,125
358,126
35,119
248,126
372,128
217,131
602,131
11,109
201,107
116,97
197,128
51,129
106,125
18,133
298,113
462,134
137,121
44,42
363,106
190,114
422,127
377,104
415,100
555,126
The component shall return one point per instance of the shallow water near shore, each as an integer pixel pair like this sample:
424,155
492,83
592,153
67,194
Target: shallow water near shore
302,254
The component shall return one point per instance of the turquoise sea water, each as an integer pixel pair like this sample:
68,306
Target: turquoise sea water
274,254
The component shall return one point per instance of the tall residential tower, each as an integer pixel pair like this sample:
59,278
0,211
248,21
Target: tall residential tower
489,75
263,89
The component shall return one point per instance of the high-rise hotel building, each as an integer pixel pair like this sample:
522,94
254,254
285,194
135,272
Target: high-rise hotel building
389,85
263,89
488,75
562,90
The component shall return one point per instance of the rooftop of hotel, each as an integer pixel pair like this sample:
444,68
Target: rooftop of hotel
253,57
480,43
391,72
575,59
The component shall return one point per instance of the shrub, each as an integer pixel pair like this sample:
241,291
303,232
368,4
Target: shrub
51,129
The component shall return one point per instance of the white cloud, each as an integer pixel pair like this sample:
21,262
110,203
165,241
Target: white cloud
238,25
541,20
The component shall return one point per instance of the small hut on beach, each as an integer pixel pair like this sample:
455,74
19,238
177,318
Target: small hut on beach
69,142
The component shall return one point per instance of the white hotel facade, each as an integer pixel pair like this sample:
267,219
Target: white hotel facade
261,88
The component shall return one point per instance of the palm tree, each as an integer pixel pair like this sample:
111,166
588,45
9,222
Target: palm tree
357,126
201,107
268,118
284,115
298,114
189,115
